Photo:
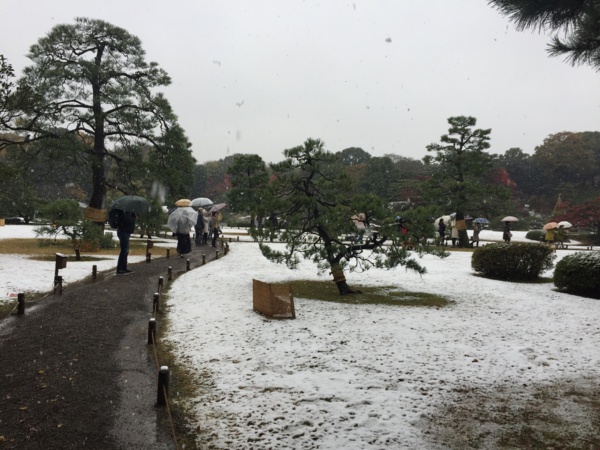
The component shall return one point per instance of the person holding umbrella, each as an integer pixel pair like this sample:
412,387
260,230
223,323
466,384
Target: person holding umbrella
199,228
507,235
124,230
216,226
122,215
180,222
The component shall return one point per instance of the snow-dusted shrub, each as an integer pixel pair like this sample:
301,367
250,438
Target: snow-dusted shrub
579,273
514,261
535,235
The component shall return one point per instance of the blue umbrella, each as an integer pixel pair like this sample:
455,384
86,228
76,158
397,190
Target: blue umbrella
481,220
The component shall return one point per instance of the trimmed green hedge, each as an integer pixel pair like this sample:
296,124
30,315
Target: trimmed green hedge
536,235
514,261
579,274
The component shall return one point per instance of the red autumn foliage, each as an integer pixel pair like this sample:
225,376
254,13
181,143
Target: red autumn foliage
584,215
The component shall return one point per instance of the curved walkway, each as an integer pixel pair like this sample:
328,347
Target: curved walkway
76,370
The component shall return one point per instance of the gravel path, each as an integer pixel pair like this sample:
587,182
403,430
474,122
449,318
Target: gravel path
76,370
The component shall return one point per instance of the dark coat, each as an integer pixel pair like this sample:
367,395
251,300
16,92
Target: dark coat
127,222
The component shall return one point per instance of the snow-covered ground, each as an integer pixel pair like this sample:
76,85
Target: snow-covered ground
349,376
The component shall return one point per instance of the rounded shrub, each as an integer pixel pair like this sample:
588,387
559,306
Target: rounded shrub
515,261
579,273
536,235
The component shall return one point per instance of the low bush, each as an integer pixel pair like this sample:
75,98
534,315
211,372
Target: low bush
579,273
536,235
515,261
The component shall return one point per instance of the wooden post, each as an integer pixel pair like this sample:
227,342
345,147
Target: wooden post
58,285
161,283
163,386
21,304
187,265
217,254
94,272
151,331
168,253
203,259
149,245
170,273
156,302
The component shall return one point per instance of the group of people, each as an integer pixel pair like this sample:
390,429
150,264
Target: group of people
454,233
556,236
207,223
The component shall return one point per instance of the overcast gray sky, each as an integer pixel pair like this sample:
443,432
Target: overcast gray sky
260,76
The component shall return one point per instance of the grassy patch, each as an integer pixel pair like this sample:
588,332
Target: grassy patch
33,248
382,295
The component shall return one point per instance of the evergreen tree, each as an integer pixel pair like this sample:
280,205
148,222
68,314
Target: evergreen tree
315,201
577,20
90,80
460,167
249,177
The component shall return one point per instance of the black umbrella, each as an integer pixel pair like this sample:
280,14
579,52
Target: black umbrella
132,203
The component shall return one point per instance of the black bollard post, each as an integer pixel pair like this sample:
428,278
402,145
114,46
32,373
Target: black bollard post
21,304
168,253
161,283
170,273
148,257
217,254
203,259
156,302
187,265
151,331
163,386
238,239
94,272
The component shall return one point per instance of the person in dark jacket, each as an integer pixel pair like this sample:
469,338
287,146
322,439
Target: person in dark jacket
124,231
442,231
506,235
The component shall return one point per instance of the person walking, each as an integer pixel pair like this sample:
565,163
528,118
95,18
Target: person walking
207,226
184,243
507,235
453,232
442,231
475,237
550,236
124,230
216,226
199,228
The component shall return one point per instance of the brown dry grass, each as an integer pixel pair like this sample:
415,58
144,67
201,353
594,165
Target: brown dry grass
33,248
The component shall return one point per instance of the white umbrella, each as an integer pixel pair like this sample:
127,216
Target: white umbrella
447,220
182,219
510,219
201,202
565,224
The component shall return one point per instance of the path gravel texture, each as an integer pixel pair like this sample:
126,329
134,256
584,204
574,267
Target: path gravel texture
76,371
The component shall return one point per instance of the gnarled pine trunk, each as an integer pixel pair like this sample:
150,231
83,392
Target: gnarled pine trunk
340,280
